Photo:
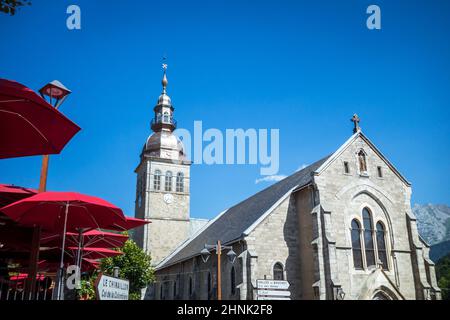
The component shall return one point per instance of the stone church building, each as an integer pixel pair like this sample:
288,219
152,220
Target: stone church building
341,228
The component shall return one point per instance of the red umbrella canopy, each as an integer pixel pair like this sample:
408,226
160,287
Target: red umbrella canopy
101,239
51,256
92,238
128,224
90,264
11,193
29,125
50,209
96,253
52,266
24,276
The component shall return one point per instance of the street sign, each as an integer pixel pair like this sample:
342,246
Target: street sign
273,298
273,293
272,284
110,288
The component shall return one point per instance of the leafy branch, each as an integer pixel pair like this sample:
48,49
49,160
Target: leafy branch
11,6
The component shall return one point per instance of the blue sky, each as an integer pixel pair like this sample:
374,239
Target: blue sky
301,66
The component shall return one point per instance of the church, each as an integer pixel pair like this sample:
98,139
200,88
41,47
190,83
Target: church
340,229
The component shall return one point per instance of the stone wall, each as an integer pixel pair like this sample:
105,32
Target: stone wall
169,220
344,195
274,240
196,271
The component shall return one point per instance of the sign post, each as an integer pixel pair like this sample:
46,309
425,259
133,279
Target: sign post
110,288
273,290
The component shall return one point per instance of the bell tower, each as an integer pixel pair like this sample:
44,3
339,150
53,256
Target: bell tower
162,188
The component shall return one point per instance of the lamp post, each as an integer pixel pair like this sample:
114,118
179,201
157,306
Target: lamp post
338,292
56,93
231,257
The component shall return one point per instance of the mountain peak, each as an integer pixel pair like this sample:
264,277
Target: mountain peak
433,222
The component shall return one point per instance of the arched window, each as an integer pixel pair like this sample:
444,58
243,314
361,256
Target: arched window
168,186
191,288
157,180
278,273
233,281
381,244
180,182
166,117
368,238
158,117
380,296
356,245
362,162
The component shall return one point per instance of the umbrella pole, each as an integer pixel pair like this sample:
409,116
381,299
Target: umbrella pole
61,265
80,246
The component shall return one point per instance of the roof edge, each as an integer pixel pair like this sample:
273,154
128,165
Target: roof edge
346,144
270,210
162,265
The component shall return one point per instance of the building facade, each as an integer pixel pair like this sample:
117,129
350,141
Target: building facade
341,228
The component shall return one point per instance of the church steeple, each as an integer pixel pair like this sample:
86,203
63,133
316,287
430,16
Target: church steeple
162,189
163,119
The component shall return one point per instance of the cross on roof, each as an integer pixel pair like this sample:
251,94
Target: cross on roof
355,119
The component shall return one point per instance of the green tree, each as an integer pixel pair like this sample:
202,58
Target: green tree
10,6
443,276
134,265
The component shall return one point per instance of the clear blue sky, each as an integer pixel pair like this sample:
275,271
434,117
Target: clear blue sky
301,66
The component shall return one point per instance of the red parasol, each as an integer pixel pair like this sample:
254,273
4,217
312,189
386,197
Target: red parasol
11,193
66,211
24,276
92,238
128,224
29,125
69,211
96,253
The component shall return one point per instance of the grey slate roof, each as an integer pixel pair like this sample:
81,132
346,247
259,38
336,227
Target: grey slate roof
231,225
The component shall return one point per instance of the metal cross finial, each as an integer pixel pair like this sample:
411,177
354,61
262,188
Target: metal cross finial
355,119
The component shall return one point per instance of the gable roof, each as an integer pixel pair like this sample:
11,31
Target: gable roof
236,222
339,151
231,224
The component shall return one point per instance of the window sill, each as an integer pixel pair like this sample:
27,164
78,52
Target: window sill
364,175
368,271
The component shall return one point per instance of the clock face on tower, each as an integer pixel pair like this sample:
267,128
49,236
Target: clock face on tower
168,198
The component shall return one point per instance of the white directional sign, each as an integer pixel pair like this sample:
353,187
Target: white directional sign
273,293
109,288
272,284
272,290
273,298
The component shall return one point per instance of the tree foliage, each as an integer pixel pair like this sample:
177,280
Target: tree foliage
134,265
443,276
87,290
10,6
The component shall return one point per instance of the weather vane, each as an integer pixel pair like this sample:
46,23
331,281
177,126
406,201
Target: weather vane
164,64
